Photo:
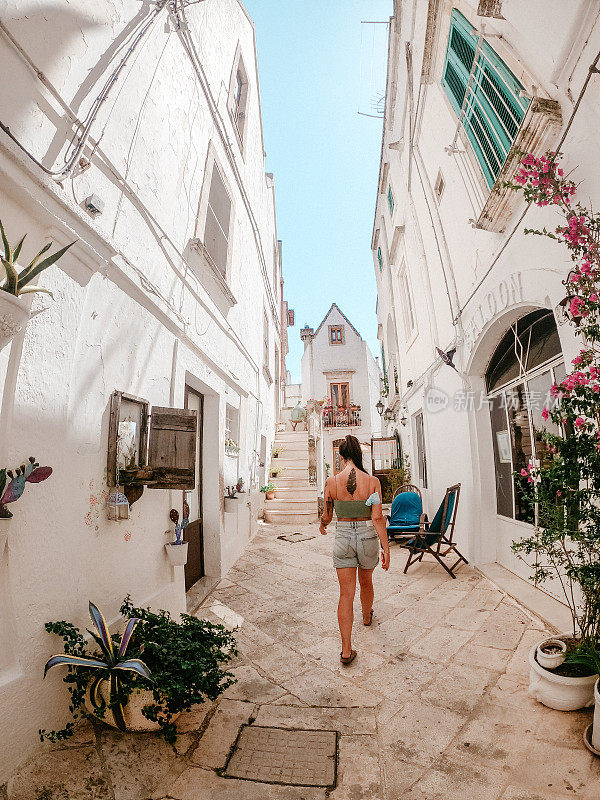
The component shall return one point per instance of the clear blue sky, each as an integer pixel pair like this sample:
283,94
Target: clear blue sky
325,156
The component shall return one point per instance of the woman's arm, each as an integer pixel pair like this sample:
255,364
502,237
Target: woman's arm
378,521
327,510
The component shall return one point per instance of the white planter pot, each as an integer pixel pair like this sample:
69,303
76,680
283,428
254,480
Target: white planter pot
177,553
558,691
231,505
551,660
596,726
132,712
14,316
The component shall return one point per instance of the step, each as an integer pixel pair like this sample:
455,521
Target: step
292,518
280,504
293,472
292,436
291,447
296,493
301,462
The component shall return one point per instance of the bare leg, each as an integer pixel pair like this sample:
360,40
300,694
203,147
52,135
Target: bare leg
365,578
347,579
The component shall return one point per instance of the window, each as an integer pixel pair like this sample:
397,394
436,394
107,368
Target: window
420,445
336,334
218,217
232,423
380,258
492,110
276,268
340,394
525,365
265,339
407,305
239,97
391,199
440,185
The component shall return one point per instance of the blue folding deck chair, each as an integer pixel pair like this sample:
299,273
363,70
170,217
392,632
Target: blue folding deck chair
406,515
435,537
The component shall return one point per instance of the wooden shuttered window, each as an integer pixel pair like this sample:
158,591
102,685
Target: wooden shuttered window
172,448
216,228
493,109
421,452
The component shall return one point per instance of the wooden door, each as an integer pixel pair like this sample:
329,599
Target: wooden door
194,569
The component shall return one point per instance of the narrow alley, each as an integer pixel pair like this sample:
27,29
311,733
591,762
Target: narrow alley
435,705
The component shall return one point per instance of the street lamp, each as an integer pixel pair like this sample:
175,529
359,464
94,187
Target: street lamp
379,408
389,415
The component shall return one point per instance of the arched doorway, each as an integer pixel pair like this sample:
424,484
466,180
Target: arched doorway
524,366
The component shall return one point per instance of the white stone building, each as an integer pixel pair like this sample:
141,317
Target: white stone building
172,295
338,366
468,84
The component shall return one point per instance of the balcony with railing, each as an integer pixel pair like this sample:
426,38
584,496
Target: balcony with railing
341,416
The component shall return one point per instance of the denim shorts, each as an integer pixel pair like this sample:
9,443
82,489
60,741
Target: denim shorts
356,545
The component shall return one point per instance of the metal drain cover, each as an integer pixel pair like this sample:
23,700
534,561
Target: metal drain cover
278,755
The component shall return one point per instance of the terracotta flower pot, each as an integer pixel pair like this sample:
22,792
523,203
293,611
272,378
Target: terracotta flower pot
270,495
14,316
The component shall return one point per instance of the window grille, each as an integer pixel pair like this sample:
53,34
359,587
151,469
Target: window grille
485,95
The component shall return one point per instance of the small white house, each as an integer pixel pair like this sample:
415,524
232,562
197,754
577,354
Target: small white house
339,368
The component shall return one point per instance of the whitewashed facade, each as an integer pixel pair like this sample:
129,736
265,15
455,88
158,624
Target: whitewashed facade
171,294
468,83
338,366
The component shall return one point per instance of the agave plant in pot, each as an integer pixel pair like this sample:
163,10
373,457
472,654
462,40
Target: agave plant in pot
145,678
564,485
15,283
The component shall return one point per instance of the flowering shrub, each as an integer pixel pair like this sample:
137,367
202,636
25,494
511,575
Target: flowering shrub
564,487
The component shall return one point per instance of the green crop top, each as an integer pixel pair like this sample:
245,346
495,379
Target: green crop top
352,509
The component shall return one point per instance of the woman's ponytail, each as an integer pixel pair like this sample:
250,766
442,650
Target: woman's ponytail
350,450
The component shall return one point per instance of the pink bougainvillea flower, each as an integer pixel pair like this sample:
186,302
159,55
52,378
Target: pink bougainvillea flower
545,413
579,422
524,473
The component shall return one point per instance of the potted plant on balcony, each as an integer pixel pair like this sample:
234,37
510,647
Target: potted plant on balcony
144,678
269,490
15,283
564,486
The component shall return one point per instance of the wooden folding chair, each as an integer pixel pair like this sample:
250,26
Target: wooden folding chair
406,487
436,537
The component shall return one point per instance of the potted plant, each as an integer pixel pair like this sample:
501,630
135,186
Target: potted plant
588,656
275,452
564,486
230,500
275,471
240,486
177,551
14,312
269,490
144,678
550,653
12,484
231,447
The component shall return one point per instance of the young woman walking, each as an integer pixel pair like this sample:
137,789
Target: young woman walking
356,498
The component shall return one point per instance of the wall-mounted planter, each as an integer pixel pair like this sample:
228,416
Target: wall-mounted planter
231,505
14,316
177,553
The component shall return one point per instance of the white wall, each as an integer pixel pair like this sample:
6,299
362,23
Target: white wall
129,313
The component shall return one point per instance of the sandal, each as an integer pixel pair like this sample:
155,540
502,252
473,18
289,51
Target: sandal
348,659
366,624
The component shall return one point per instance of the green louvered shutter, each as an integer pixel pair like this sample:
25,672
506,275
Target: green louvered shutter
380,258
494,110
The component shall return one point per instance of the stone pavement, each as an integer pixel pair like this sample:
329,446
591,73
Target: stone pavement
435,705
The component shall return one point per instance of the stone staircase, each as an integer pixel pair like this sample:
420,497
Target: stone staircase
295,499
